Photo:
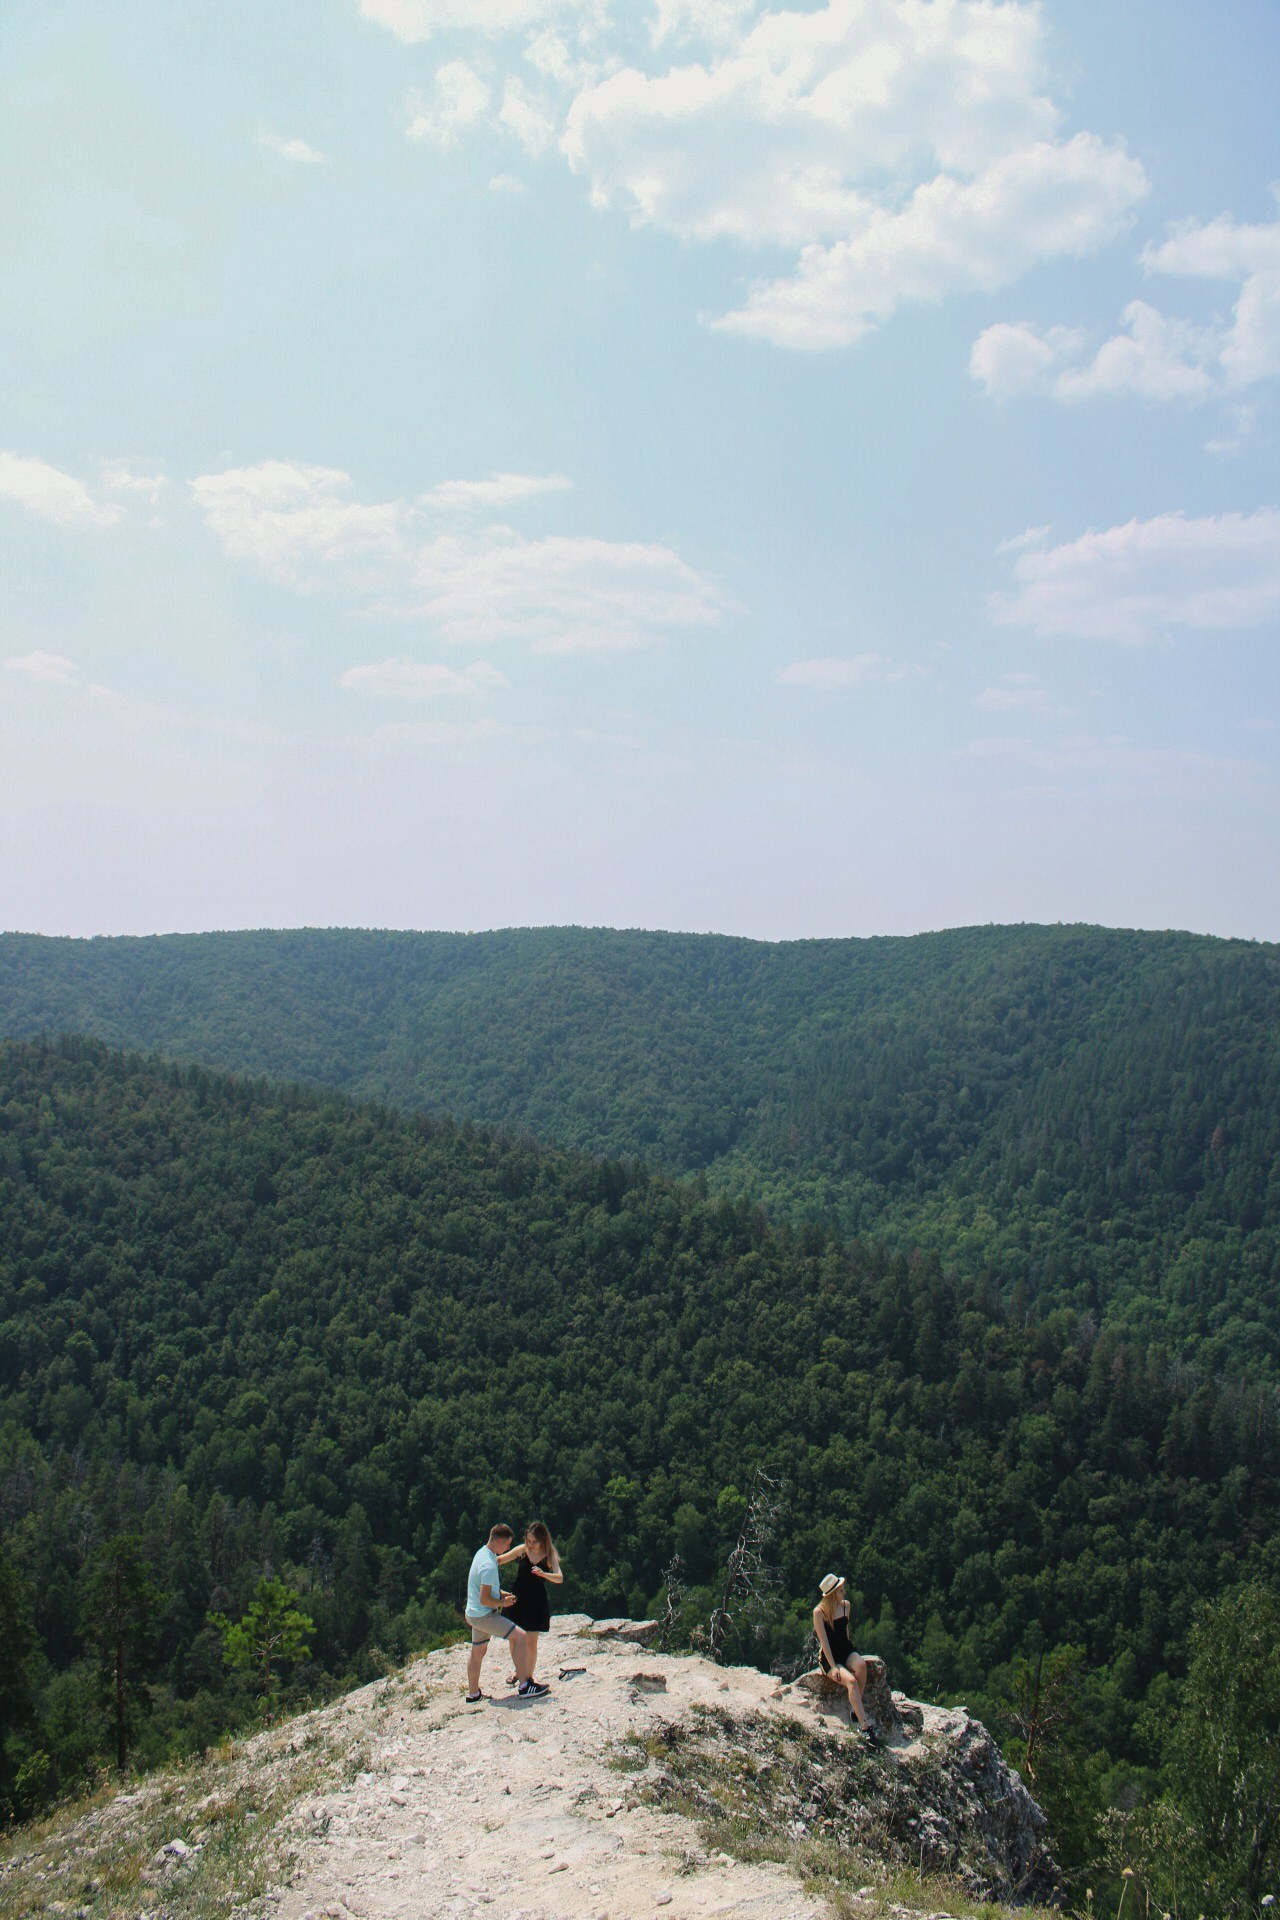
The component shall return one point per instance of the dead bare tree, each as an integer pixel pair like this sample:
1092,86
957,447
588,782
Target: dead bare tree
1046,1701
673,1581
748,1573
802,1662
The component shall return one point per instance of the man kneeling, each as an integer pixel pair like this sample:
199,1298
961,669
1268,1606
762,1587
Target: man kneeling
486,1617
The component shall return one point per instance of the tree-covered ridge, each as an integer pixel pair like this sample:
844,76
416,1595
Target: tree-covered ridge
273,1333
1088,1112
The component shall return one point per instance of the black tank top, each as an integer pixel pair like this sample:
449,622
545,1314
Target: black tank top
838,1635
532,1609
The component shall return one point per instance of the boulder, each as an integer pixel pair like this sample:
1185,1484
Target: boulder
879,1704
638,1632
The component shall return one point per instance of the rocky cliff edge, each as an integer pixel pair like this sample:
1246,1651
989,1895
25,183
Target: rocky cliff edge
643,1784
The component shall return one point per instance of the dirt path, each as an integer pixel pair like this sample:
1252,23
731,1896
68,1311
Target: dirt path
510,1811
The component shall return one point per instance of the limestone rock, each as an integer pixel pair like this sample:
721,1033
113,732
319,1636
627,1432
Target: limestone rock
649,1682
638,1632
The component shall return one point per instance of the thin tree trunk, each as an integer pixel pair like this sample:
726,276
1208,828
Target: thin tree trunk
120,1727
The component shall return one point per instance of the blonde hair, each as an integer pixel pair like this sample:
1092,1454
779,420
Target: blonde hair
828,1600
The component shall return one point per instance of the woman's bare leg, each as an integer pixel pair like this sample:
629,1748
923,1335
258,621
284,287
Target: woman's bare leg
848,1681
854,1676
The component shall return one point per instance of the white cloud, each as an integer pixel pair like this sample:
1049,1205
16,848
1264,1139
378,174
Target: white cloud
1029,537
1041,202
1243,420
507,183
719,21
477,585
500,490
91,699
624,742
549,54
403,679
1016,692
908,151
50,493
562,595
833,674
296,151
458,99
527,117
418,20
899,150
1225,249
1158,358
294,523
1140,581
46,669
783,138
1014,358
118,476
446,733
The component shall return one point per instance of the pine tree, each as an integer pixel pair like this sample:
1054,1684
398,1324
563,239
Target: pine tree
119,1609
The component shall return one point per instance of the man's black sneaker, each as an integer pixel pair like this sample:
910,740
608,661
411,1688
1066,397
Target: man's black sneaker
532,1689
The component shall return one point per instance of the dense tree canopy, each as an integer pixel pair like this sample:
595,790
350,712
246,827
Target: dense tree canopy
1089,1113
272,1334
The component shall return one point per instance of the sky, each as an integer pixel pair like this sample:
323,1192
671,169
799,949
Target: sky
691,463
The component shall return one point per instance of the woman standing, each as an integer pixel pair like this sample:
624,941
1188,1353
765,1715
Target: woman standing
538,1569
839,1661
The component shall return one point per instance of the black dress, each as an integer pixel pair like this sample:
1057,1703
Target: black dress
532,1609
838,1635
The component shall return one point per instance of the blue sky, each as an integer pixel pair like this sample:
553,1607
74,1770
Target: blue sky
696,464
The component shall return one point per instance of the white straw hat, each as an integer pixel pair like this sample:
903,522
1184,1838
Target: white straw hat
829,1582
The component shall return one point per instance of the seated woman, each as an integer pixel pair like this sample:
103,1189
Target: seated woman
839,1661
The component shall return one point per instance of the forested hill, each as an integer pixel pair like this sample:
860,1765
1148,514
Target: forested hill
1089,1114
274,1332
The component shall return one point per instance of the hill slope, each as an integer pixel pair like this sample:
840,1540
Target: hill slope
1089,1113
270,1329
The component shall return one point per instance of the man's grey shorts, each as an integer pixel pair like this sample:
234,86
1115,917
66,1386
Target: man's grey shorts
488,1626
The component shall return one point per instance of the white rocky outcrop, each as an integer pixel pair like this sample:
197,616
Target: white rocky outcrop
643,1782
515,1810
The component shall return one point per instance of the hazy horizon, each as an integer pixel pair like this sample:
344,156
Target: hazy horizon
581,926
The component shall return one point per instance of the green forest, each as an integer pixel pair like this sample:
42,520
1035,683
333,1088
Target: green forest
263,1347
1085,1113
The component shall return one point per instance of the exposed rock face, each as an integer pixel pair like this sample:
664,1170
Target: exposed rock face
940,1796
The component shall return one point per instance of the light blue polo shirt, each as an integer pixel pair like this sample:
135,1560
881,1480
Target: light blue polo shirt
484,1573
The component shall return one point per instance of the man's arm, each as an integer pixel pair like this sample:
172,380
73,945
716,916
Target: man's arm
498,1600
